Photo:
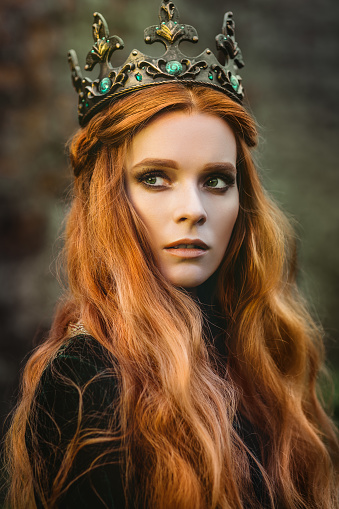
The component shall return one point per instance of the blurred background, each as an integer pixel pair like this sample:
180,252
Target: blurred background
291,78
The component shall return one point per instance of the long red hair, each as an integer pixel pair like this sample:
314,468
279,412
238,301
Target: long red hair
177,410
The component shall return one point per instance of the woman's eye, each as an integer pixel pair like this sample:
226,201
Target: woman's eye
153,180
216,183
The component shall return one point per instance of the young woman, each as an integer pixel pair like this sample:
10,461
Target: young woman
181,368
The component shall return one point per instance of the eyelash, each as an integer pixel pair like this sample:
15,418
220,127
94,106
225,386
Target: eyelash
228,179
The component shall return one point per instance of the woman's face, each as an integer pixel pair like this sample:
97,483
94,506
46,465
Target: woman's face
181,180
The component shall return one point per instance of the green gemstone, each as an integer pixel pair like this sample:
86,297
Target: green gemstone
234,82
138,76
210,75
104,85
174,67
86,105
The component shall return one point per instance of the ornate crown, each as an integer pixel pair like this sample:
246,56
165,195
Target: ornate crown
141,71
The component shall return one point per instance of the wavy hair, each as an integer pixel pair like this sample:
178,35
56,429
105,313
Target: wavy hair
176,410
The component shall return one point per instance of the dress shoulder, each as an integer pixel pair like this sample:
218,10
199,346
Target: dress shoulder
81,376
76,403
81,350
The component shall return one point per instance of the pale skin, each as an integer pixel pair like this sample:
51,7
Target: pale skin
181,180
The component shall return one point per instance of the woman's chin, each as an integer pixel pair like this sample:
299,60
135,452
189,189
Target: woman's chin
188,278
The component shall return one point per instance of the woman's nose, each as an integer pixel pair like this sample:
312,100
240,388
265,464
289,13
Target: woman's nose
189,207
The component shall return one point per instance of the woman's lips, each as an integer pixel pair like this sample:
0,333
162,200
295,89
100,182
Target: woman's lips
187,248
186,252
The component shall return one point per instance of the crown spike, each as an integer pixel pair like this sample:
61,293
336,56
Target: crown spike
75,70
228,26
103,46
226,45
168,12
99,27
140,70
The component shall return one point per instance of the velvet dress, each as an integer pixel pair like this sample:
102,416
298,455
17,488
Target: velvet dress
83,362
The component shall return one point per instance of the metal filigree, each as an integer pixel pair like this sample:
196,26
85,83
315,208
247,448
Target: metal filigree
104,45
227,79
193,69
226,45
170,33
168,12
122,76
159,71
154,70
141,70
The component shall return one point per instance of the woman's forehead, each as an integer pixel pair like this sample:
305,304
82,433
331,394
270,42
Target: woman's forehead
184,136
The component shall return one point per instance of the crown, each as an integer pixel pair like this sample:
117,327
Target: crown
140,70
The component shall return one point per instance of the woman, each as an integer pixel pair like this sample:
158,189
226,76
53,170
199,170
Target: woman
181,368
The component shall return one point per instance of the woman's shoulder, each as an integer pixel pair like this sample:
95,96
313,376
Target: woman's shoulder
76,402
81,356
81,373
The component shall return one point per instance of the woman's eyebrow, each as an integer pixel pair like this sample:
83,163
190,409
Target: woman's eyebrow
169,163
157,163
223,167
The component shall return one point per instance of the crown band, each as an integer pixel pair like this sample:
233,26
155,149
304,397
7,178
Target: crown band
141,71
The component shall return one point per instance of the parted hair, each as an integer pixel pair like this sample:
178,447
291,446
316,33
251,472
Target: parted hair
177,411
